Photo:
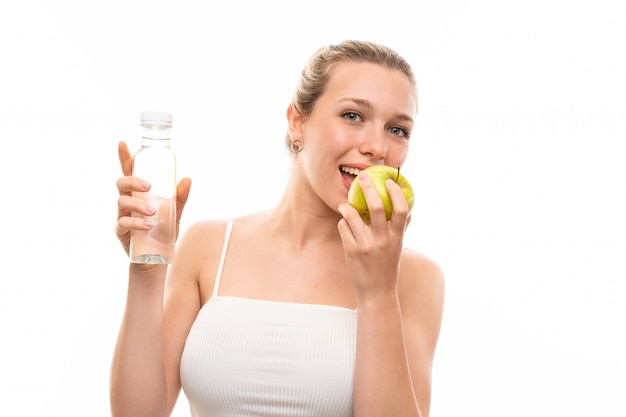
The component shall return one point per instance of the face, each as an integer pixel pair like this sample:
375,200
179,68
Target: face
364,118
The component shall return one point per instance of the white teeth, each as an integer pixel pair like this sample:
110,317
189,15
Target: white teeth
352,171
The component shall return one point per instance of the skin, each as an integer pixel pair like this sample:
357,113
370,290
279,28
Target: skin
328,255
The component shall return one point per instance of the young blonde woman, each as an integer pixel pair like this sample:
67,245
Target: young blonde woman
303,309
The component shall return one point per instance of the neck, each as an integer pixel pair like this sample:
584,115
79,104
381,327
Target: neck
304,218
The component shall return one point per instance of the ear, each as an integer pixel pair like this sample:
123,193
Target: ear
295,121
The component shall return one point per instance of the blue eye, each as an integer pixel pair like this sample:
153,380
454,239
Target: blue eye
399,131
351,116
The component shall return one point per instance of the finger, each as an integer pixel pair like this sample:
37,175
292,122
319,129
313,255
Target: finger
128,184
350,217
356,233
374,202
125,224
182,190
182,194
400,211
126,159
127,205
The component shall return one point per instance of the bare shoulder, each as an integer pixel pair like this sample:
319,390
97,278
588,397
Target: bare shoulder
202,242
202,238
421,289
203,230
199,246
419,273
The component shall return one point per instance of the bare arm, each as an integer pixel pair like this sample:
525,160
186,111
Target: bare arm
421,292
382,381
399,308
142,381
137,372
396,341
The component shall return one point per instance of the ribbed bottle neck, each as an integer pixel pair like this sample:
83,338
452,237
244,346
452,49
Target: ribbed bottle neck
155,142
155,135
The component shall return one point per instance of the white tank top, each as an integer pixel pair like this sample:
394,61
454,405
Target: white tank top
257,358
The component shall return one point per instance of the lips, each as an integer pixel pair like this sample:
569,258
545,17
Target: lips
352,171
349,174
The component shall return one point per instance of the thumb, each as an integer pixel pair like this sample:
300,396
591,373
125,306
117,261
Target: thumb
182,194
126,159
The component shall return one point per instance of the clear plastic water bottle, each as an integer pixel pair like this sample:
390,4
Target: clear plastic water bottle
155,162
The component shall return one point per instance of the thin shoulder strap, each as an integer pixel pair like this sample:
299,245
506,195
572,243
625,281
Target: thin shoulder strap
218,276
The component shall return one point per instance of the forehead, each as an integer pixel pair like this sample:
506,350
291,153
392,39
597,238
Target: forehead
372,82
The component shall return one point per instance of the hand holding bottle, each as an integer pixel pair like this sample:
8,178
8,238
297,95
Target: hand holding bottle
127,204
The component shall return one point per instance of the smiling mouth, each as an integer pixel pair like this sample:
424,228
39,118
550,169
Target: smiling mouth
349,173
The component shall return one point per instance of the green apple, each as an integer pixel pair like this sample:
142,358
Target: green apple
379,175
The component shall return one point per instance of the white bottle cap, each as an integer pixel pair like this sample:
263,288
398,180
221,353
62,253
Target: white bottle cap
156,118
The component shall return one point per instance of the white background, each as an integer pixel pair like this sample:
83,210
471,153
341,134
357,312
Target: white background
517,161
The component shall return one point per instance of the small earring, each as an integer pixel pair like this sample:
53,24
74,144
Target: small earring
297,145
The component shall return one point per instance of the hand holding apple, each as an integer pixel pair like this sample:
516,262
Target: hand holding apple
379,175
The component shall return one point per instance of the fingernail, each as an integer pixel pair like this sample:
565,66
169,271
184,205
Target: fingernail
145,185
148,223
150,209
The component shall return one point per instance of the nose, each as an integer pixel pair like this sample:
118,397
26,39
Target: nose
374,145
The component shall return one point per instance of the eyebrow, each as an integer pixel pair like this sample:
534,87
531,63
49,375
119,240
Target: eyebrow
360,102
370,106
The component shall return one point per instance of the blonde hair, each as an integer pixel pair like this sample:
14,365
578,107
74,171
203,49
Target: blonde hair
316,73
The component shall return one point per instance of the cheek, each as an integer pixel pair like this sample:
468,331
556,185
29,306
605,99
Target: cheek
329,139
329,130
397,154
